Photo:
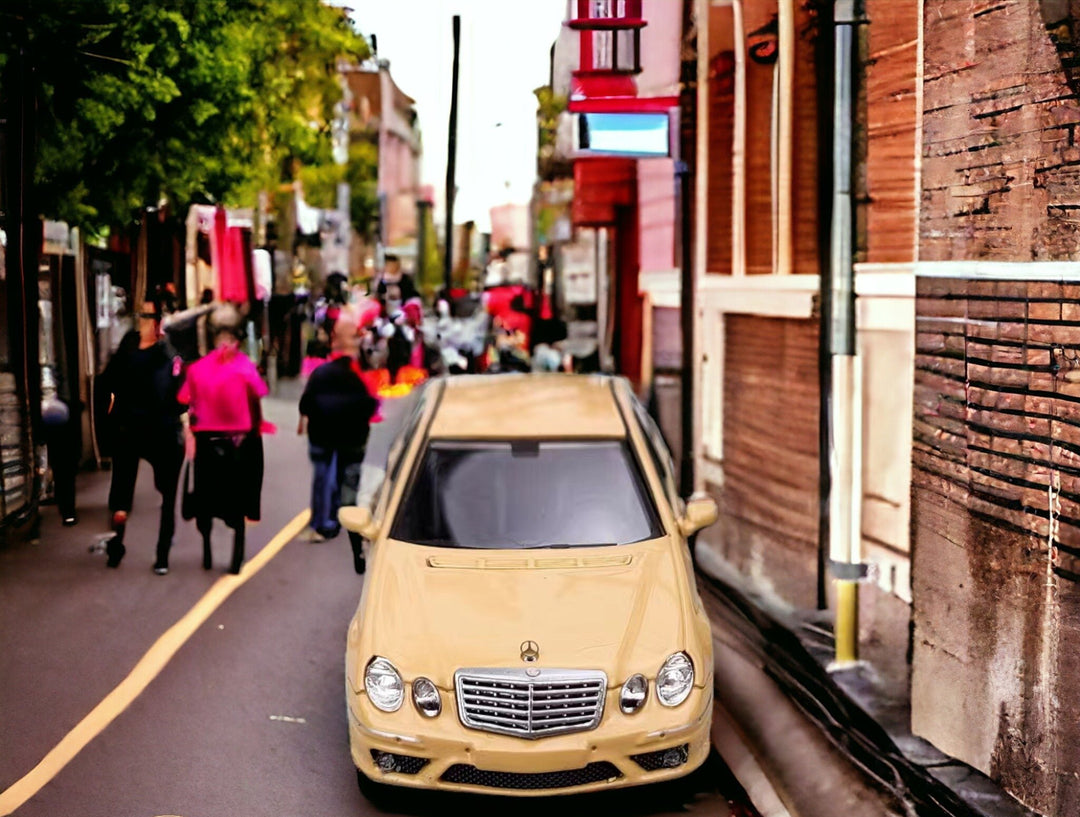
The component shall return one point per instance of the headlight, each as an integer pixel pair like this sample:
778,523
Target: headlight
675,679
383,685
633,695
426,697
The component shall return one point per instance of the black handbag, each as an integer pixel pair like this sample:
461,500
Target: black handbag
187,499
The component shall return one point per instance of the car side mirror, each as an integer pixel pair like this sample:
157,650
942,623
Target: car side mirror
700,512
358,519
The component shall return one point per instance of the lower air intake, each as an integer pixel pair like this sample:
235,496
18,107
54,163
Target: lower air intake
472,776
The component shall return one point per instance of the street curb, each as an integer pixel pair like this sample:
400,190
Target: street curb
728,739
866,745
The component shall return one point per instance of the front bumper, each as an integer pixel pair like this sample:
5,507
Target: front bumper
405,749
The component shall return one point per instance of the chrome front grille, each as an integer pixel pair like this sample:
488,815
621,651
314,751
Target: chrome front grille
511,702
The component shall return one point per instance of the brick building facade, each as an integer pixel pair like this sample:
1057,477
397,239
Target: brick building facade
968,314
996,483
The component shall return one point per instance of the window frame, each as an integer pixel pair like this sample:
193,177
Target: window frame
400,445
659,453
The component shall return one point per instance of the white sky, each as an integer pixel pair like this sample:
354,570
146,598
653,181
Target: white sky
504,55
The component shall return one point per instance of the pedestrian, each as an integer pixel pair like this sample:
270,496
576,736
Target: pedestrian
339,409
144,422
204,337
224,391
318,347
61,421
324,525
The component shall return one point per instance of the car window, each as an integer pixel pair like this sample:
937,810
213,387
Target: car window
483,494
397,450
396,456
658,451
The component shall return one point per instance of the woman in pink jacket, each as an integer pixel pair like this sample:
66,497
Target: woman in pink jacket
224,390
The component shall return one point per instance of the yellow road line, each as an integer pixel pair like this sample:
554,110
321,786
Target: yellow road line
148,668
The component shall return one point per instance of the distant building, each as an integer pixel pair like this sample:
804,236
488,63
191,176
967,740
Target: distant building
384,114
628,62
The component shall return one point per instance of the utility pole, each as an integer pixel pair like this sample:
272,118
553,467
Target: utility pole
421,272
451,161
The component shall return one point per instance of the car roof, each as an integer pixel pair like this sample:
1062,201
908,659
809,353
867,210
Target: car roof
528,406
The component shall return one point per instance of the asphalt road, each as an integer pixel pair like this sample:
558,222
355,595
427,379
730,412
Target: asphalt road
117,700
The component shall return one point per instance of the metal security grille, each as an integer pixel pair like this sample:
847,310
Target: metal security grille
513,703
534,781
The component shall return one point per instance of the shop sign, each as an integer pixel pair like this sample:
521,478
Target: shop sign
646,134
578,265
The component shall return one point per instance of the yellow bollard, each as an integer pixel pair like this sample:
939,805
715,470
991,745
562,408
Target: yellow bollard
847,621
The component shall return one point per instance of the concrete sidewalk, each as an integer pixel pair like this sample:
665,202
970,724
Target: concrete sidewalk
831,742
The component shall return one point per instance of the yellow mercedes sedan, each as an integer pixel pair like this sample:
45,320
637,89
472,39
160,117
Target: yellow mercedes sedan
529,622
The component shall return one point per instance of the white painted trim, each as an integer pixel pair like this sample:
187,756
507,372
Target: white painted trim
701,215
712,471
885,315
885,280
779,302
663,287
1000,270
871,280
778,296
761,283
711,389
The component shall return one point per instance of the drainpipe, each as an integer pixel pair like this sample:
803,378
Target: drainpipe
845,401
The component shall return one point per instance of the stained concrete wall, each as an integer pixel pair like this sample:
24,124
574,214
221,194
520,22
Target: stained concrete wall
996,533
996,486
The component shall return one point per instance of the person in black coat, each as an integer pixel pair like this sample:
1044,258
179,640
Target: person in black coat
144,423
339,408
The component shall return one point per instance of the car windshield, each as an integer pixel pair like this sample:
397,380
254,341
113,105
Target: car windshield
471,494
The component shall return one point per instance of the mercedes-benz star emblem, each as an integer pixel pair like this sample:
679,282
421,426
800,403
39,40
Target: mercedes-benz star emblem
530,651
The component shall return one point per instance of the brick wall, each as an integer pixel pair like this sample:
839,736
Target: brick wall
768,525
892,113
996,459
1001,152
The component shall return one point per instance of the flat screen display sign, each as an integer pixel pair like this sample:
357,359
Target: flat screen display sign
638,135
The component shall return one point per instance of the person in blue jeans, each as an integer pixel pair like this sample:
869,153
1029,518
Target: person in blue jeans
339,409
324,504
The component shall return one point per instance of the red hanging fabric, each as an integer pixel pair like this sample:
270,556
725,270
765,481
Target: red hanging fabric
227,257
233,273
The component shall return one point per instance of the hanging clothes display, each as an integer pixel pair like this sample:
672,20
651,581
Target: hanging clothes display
199,269
228,256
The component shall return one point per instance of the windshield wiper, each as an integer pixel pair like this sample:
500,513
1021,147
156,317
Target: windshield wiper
566,547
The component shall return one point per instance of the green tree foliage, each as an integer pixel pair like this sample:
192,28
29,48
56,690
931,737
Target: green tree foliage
550,107
179,100
430,278
549,110
361,171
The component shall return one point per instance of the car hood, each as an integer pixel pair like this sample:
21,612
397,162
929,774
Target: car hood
432,611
